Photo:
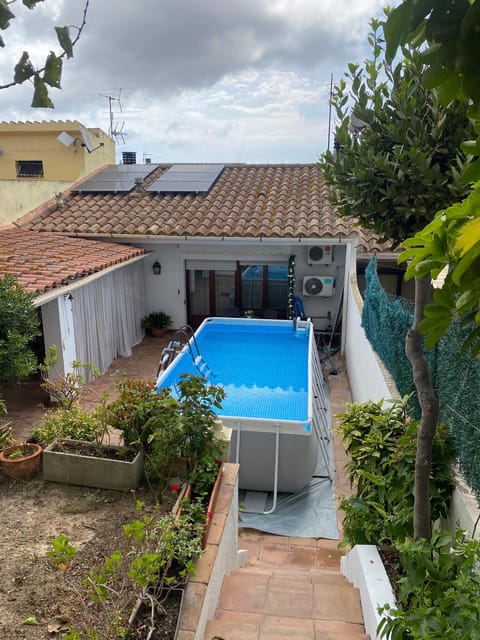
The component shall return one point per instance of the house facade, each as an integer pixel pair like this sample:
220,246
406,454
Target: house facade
221,237
40,159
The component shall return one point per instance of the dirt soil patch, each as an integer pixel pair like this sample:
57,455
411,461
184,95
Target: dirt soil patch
32,588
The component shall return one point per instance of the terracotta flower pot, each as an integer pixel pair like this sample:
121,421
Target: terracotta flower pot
25,466
158,333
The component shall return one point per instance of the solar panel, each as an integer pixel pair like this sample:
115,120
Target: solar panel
187,178
116,178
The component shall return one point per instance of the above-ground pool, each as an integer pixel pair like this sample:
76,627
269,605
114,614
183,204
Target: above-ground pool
266,368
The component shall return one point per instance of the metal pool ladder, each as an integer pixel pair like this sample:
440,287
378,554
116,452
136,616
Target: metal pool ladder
184,336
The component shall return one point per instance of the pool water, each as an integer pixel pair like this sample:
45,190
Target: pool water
261,364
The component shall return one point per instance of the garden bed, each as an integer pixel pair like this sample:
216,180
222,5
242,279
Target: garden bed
31,587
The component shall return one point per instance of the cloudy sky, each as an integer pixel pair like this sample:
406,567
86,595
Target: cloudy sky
195,80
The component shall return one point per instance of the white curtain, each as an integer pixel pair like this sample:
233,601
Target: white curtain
107,316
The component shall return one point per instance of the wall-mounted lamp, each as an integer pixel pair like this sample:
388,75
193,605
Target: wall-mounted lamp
68,296
157,268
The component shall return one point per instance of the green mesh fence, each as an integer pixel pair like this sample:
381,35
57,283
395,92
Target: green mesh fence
386,320
455,375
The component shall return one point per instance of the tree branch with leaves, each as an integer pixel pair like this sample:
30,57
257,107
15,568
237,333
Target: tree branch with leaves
397,160
449,35
50,74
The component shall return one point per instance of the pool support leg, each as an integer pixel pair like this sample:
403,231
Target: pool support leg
275,480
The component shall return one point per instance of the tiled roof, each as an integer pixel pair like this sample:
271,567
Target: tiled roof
43,261
36,125
247,201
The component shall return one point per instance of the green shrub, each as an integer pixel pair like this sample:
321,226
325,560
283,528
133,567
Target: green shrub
168,429
19,325
381,442
439,593
140,411
73,423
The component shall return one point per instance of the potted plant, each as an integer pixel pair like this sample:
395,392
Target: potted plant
21,460
156,323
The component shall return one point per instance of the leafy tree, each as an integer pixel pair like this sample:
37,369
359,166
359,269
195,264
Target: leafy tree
18,326
450,32
397,159
450,245
50,74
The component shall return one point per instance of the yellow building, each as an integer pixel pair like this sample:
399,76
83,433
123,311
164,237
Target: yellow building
41,159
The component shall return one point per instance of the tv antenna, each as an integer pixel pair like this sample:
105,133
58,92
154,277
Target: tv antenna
115,130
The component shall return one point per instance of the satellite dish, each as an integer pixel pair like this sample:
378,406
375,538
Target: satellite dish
87,141
357,125
65,139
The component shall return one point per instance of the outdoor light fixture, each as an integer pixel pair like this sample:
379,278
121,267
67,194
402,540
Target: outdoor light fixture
157,268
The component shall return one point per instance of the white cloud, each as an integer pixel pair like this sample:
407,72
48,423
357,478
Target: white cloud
234,80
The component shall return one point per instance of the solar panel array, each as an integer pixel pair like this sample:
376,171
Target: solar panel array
116,178
187,178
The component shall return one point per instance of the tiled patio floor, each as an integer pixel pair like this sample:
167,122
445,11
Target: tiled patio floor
289,587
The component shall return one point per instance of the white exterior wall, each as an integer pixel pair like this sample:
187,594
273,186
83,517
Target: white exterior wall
369,379
167,291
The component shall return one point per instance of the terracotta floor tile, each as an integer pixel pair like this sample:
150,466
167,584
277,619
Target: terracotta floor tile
289,598
332,630
244,592
251,534
234,625
276,627
252,547
270,538
274,554
337,602
231,631
302,542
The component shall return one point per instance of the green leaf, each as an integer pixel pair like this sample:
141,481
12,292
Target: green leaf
40,95
5,15
471,147
434,76
448,90
23,69
53,71
63,35
397,27
472,172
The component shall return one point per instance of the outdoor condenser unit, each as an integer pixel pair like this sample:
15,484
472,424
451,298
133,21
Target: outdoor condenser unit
320,254
318,286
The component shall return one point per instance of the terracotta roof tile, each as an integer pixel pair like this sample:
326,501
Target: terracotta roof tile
286,201
43,261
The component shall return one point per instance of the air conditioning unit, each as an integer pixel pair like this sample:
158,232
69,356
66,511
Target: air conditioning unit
318,286
321,254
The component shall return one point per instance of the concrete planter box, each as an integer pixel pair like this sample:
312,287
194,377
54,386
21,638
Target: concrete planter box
91,471
363,567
